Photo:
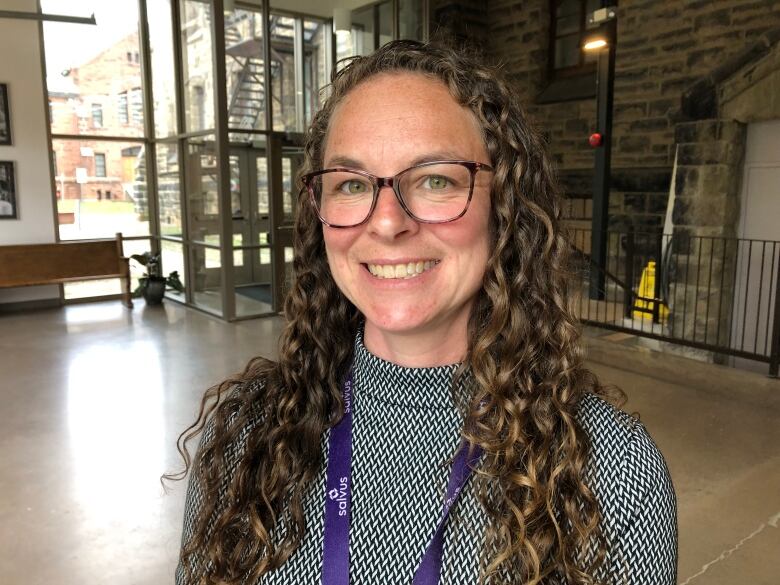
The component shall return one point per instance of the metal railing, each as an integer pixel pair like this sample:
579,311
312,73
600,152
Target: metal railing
715,294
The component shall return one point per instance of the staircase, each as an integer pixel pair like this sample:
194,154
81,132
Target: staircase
246,86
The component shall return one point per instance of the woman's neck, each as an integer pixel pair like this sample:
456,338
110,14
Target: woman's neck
438,346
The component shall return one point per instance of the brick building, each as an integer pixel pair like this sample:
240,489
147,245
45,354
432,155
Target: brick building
101,97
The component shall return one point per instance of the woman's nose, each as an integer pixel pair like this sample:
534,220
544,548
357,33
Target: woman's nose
389,218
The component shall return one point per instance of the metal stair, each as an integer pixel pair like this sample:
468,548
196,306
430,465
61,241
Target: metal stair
247,92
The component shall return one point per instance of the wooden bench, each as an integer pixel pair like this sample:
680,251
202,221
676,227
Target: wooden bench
61,262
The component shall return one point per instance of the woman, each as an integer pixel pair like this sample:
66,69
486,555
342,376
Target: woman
428,335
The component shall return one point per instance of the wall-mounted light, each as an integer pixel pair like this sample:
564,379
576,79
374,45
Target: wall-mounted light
228,6
594,43
342,19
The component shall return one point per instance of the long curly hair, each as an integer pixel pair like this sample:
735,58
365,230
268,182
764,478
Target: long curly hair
261,447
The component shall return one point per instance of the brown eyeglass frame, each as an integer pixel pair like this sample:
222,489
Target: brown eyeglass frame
393,182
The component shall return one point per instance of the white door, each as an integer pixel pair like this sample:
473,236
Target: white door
758,260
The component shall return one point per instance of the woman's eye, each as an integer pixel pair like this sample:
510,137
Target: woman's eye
353,187
437,182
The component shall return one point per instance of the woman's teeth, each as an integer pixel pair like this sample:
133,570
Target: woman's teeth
409,270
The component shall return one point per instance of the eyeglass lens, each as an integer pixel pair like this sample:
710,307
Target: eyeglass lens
437,192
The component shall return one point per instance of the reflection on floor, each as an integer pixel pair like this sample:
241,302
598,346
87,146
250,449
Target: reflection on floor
93,399
94,396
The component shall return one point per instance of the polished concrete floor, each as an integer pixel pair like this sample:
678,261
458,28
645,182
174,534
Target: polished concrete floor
93,397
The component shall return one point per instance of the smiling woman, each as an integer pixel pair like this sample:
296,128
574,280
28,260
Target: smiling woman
430,419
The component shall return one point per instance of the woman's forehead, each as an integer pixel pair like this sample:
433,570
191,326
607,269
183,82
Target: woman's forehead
401,110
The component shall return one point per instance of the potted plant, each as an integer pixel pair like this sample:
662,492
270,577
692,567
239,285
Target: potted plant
152,285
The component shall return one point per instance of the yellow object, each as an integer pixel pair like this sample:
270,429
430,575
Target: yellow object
647,290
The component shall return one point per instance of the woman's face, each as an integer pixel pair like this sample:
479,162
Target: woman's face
384,126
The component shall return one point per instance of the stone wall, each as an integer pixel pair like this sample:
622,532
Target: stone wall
663,48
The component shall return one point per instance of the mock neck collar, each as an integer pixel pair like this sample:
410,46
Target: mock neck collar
426,388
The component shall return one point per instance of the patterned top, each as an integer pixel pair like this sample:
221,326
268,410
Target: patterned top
406,430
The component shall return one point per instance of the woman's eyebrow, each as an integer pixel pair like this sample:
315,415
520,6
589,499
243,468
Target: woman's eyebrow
345,161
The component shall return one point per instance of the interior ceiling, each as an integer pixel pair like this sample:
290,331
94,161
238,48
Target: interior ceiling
322,8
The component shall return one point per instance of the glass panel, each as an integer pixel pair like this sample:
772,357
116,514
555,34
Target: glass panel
202,191
288,174
567,51
169,189
235,188
567,7
385,22
567,25
92,72
363,31
289,255
283,73
111,286
315,66
253,284
411,19
197,65
263,210
344,45
244,69
172,255
207,278
163,73
95,206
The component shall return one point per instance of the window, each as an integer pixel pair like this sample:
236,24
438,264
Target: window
137,105
121,108
568,24
97,116
129,57
100,164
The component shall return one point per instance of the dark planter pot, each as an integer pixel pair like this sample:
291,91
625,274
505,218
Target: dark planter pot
154,290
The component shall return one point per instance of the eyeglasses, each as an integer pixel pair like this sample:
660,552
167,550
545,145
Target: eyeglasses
431,192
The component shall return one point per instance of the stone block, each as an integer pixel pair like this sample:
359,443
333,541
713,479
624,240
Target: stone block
577,126
714,209
650,124
712,153
690,132
704,57
630,110
663,107
677,85
656,203
635,202
716,19
634,144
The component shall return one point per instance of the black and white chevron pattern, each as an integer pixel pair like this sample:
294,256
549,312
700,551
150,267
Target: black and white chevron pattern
406,429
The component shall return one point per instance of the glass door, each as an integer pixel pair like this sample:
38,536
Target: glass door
252,241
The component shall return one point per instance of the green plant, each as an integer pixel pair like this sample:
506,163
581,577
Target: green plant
152,264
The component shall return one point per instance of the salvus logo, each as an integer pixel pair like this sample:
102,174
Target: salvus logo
347,397
340,495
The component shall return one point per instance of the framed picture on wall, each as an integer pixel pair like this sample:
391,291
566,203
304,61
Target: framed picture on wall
8,204
5,116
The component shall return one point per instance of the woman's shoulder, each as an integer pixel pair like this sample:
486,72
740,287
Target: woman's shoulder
626,468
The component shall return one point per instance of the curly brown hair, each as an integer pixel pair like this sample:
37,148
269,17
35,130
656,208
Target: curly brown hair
261,448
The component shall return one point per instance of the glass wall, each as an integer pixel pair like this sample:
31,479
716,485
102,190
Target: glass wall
100,187
158,180
244,66
197,64
162,55
95,88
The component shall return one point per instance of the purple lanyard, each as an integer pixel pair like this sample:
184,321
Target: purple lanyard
338,491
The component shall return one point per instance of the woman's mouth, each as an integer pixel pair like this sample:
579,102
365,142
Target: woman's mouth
405,271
